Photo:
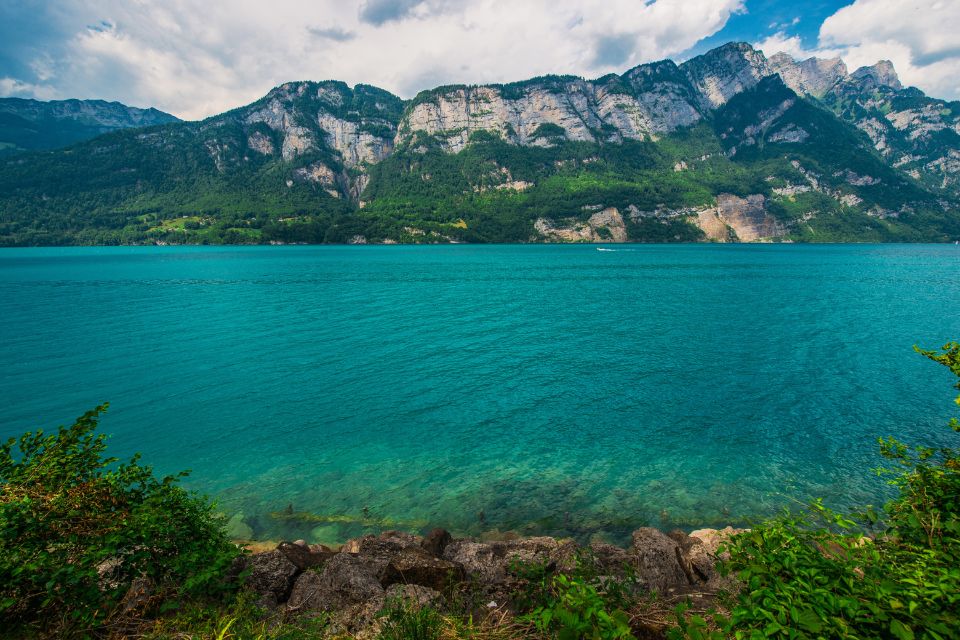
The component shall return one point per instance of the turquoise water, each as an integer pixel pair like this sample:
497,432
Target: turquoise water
554,389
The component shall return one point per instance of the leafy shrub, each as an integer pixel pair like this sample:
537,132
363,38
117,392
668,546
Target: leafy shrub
76,529
577,611
587,600
823,575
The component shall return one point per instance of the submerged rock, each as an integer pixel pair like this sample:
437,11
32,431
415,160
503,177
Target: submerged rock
237,529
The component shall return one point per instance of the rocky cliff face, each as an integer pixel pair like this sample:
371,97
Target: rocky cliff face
606,225
309,119
644,103
813,76
722,73
915,133
612,110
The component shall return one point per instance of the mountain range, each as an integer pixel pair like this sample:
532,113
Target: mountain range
36,125
727,146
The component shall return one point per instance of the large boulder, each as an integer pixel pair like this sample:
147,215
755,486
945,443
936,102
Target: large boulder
387,543
704,554
347,590
490,562
345,581
713,538
417,566
271,576
305,556
607,558
657,560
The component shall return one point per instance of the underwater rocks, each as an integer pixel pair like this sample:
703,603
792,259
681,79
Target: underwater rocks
352,585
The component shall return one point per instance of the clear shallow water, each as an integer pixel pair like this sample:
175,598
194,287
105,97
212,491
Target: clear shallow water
554,389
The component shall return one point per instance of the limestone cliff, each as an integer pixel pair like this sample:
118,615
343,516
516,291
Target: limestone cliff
310,118
813,76
604,226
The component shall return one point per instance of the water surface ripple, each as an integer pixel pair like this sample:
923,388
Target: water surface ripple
554,389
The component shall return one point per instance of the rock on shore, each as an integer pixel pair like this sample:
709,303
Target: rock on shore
353,584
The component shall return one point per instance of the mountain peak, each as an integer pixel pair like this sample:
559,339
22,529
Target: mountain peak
881,74
813,76
721,73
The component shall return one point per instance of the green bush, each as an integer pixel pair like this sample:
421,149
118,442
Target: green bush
77,528
576,610
406,621
822,574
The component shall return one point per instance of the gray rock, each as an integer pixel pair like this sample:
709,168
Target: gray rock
306,594
303,555
697,564
701,564
417,566
271,576
385,544
436,541
346,581
657,560
346,589
489,562
412,595
609,558
138,595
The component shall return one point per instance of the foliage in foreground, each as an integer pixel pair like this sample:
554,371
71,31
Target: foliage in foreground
77,529
823,575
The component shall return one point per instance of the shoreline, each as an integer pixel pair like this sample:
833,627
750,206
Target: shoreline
351,585
480,244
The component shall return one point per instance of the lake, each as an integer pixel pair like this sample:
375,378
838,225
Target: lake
563,390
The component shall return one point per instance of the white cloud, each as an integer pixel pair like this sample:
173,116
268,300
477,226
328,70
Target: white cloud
781,42
11,87
920,37
195,58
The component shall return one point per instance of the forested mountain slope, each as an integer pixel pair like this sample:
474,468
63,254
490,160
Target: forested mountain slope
726,146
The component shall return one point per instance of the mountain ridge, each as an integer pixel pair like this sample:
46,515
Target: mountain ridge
27,124
324,162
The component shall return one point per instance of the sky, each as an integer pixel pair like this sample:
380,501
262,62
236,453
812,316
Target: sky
197,58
